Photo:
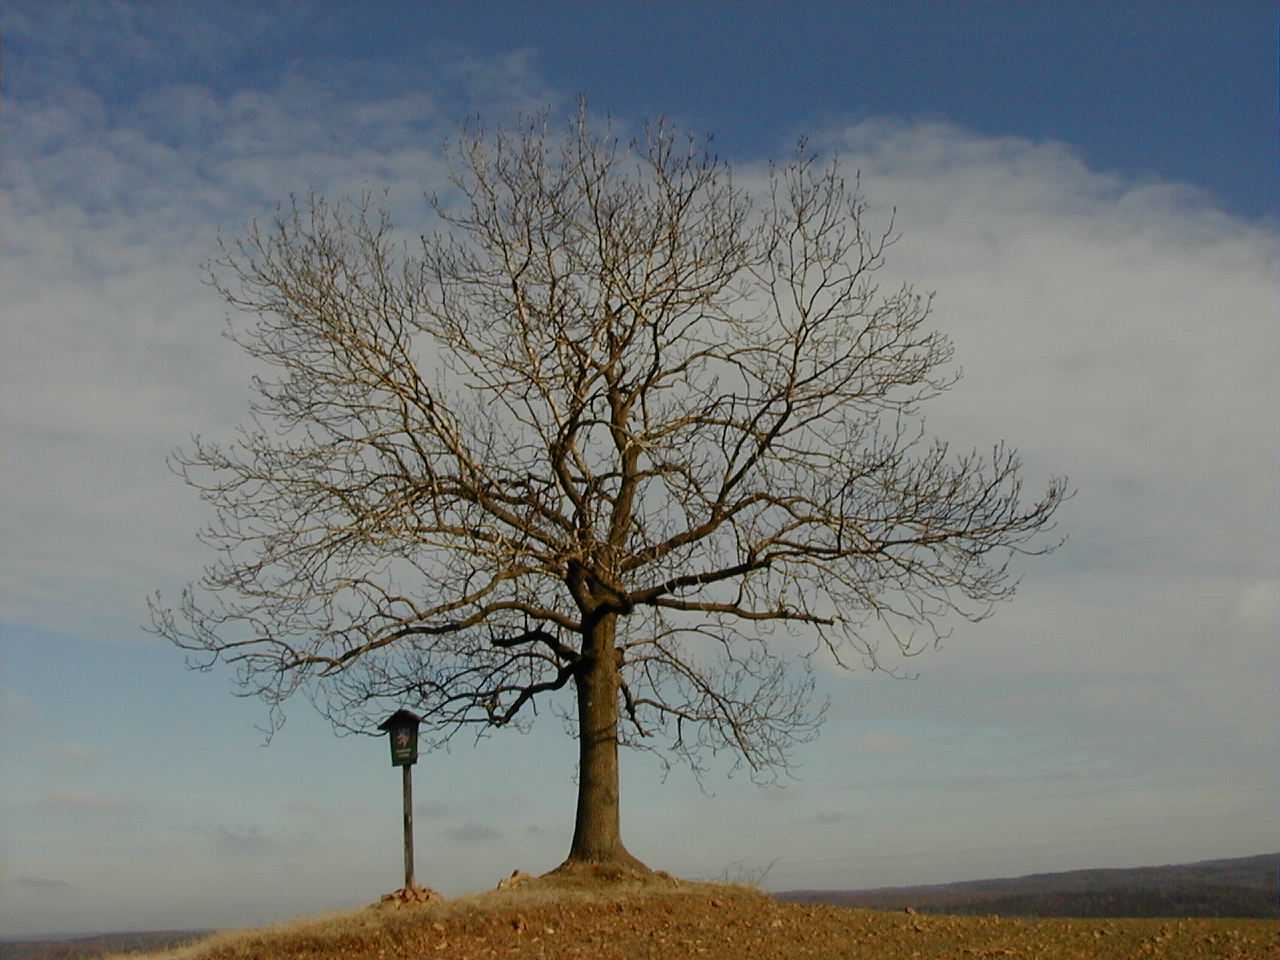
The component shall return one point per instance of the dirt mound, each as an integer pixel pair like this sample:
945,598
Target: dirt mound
536,920
605,878
407,896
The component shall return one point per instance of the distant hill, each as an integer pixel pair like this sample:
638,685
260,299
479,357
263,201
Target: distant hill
78,947
1241,887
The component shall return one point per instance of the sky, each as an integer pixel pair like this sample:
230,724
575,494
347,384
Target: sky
1090,189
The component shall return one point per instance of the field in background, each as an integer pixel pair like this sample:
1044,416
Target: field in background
81,947
1239,887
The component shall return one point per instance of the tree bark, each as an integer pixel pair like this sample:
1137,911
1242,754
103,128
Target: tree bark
597,833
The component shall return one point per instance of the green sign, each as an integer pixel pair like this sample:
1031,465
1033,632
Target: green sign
402,733
404,746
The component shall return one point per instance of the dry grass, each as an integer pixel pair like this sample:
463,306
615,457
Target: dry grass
586,917
382,923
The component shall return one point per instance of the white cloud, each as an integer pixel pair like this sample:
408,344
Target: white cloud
1115,330
63,45
113,349
1122,332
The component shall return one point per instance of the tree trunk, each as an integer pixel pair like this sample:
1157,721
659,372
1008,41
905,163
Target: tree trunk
597,836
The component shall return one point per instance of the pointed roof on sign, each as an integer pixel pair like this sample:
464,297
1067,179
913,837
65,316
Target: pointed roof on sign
400,718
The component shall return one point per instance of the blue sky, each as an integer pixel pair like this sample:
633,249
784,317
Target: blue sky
1091,191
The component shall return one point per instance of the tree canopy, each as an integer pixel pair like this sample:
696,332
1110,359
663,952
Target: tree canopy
625,423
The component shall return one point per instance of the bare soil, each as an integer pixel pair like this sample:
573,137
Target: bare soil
659,918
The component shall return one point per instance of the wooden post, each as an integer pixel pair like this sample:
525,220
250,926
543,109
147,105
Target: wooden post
402,736
408,827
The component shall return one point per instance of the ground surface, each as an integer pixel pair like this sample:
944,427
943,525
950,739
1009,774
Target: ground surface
670,920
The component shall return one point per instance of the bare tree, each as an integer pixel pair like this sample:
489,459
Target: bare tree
614,428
